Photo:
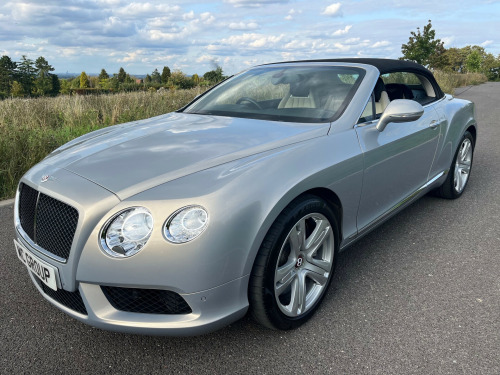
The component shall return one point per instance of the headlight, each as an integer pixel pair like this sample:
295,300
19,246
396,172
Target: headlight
186,224
127,232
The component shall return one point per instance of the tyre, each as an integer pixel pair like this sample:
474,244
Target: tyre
460,169
294,265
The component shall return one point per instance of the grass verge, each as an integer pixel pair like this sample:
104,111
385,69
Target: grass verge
32,128
450,81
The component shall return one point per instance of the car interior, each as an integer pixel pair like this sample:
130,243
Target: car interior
398,85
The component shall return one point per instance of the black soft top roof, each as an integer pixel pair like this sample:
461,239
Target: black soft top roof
386,66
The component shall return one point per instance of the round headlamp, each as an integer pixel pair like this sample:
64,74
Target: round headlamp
186,224
126,233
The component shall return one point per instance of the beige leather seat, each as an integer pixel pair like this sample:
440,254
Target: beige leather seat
381,100
299,96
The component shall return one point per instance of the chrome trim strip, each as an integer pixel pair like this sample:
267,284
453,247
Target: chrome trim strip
22,234
36,214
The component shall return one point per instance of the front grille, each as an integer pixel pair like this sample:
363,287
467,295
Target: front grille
146,301
72,300
49,223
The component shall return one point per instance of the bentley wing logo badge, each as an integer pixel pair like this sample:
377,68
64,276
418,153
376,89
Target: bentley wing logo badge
47,178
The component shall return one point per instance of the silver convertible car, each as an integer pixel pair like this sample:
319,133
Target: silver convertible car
241,200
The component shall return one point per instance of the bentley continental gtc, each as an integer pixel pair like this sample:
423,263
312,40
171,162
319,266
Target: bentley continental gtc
241,200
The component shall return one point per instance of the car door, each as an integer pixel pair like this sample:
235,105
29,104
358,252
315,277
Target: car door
396,163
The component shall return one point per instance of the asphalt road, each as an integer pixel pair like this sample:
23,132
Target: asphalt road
420,295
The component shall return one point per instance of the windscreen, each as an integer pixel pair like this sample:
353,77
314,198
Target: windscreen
283,93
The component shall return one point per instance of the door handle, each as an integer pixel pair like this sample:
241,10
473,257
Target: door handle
434,124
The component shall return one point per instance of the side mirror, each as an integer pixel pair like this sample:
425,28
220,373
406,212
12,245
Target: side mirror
400,110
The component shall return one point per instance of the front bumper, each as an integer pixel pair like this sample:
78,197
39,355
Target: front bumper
212,286
211,310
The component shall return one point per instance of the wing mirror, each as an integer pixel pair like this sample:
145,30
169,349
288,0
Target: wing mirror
400,110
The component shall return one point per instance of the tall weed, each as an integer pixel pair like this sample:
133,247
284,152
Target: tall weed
450,81
32,128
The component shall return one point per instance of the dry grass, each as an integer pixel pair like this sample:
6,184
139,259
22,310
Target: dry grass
32,128
450,81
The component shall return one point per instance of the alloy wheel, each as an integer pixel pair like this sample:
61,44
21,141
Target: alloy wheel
463,165
304,265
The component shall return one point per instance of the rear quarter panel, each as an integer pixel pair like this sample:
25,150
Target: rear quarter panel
457,116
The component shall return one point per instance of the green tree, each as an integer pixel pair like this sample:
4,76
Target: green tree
491,67
26,71
17,90
155,76
7,74
179,80
422,45
473,62
56,85
147,79
65,86
103,75
43,81
122,75
84,80
214,76
196,79
451,60
165,75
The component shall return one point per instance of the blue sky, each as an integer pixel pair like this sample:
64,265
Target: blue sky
194,36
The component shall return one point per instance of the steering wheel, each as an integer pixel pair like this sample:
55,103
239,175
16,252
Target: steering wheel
249,100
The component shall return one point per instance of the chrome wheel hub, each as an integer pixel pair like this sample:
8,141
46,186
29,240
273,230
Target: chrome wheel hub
463,165
304,264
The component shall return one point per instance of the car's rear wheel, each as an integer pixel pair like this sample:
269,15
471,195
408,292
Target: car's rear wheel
295,264
460,169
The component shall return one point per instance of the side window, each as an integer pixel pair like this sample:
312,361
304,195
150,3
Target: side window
368,114
407,85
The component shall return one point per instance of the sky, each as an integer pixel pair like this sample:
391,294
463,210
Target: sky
197,36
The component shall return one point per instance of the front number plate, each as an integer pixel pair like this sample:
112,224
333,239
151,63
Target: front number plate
45,272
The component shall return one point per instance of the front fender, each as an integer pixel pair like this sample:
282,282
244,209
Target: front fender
243,198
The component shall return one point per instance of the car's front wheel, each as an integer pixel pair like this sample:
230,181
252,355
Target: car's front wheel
295,264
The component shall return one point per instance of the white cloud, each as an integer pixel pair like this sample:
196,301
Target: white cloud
447,40
333,10
207,18
207,58
291,13
252,40
341,47
383,43
352,40
135,10
254,3
243,26
343,31
188,16
486,43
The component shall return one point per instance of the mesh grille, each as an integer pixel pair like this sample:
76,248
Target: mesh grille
49,223
72,300
147,301
55,225
27,205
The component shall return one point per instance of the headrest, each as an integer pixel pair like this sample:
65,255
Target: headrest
300,89
397,90
379,88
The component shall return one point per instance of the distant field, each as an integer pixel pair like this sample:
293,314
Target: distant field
450,81
32,128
